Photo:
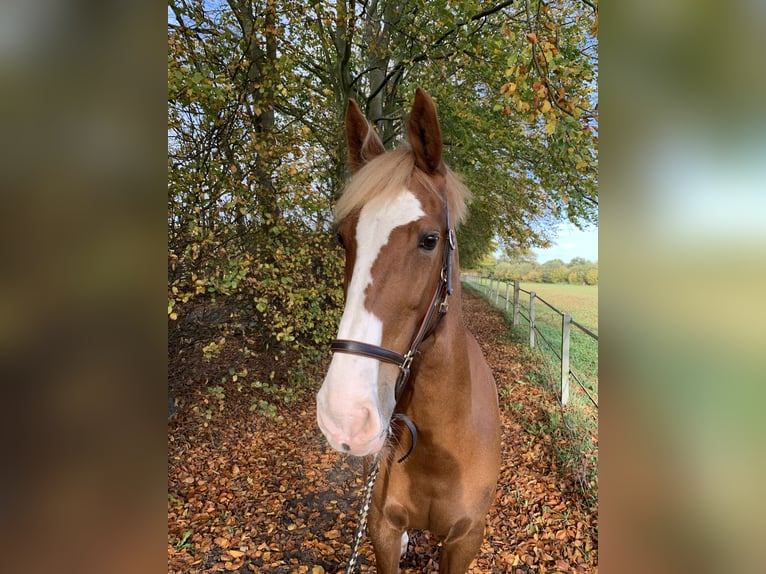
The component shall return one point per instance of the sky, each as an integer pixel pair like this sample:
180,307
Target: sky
569,243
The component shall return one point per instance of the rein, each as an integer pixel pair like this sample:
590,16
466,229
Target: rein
439,304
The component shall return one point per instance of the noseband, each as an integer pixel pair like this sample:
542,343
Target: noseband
437,308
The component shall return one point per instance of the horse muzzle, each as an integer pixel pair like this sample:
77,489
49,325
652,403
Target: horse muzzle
348,442
359,431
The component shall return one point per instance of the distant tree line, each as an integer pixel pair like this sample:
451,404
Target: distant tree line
578,271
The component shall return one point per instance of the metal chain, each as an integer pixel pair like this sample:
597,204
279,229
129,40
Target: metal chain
362,526
367,497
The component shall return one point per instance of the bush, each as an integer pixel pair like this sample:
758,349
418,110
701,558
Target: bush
284,286
532,276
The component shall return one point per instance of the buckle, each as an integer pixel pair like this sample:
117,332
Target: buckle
405,366
444,306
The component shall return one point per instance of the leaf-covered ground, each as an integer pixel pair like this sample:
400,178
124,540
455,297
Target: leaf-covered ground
260,491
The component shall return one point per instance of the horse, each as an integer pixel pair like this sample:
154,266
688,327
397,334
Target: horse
402,353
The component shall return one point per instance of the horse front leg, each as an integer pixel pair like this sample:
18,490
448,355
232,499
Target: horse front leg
389,541
461,546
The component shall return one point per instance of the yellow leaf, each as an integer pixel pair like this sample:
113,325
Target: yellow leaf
550,126
545,107
236,553
222,542
317,569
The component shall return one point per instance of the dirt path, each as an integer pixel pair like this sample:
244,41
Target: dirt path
253,493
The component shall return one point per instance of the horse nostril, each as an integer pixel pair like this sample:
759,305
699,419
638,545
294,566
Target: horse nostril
345,447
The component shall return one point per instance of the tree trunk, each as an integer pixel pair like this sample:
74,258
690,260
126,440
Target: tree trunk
261,78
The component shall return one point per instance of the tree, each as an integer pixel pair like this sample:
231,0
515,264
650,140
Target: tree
256,94
574,278
249,187
532,276
554,271
522,110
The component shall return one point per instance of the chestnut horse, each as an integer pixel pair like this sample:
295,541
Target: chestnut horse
403,352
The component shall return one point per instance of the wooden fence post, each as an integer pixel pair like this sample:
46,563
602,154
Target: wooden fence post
497,292
507,286
516,302
532,319
566,321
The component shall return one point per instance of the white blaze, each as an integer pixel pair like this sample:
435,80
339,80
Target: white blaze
351,384
376,222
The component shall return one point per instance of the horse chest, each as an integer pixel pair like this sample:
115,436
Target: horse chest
424,500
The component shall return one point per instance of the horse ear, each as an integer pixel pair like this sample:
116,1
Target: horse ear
424,133
363,143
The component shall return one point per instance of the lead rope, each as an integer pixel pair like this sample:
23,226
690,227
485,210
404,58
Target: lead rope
367,497
362,526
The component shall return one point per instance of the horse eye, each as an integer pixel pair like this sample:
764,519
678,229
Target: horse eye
429,241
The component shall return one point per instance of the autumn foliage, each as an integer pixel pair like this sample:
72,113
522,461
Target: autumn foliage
256,156
252,490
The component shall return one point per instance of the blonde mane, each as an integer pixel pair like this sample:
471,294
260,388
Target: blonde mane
389,173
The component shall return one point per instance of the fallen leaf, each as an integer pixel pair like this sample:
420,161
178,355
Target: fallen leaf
222,542
261,495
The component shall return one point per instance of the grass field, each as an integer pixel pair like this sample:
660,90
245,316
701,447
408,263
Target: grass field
580,301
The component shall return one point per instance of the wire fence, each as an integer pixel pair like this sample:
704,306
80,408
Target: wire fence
550,330
570,352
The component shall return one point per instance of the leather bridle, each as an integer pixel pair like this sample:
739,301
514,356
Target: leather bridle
437,308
